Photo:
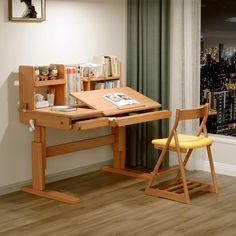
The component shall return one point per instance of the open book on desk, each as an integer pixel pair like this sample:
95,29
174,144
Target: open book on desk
120,99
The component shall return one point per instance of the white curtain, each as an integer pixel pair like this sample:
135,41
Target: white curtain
185,60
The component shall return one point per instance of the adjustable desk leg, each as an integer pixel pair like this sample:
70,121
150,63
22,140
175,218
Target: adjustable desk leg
118,165
119,147
39,159
38,171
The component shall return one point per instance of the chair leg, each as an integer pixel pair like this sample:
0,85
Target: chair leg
185,162
213,175
158,164
156,168
182,174
165,193
149,190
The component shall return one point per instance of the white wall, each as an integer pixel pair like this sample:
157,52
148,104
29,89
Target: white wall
74,31
223,152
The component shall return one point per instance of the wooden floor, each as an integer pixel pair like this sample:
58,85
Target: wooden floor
116,205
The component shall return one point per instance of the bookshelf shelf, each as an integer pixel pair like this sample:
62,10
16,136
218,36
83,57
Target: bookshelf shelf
49,82
89,83
29,88
95,79
65,83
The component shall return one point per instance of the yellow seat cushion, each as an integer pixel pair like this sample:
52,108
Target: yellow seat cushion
185,141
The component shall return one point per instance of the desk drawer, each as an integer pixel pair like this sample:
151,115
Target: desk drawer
91,124
139,118
46,120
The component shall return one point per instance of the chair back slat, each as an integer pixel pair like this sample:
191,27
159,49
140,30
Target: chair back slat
195,113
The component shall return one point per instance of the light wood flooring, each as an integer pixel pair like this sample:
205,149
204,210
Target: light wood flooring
116,205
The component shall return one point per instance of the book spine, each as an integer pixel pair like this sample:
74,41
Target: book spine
70,84
114,66
107,66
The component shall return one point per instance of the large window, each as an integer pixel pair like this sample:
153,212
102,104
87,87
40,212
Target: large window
218,64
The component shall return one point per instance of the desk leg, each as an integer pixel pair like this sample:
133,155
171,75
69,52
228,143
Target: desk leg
118,165
38,171
119,147
38,167
39,159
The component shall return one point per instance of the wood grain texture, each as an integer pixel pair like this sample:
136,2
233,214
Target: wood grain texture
80,113
91,124
26,87
139,118
39,158
116,205
38,166
49,82
126,172
79,145
118,147
94,99
57,119
46,120
54,195
99,79
29,87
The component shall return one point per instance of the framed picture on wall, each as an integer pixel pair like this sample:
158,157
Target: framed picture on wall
27,10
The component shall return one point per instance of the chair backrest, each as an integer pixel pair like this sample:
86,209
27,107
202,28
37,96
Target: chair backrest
191,114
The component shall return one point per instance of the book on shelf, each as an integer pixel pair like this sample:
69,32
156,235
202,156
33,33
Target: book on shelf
114,84
99,85
114,66
120,99
111,84
117,84
107,84
73,82
110,64
107,66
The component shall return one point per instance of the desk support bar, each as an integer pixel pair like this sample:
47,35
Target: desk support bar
54,195
127,172
79,145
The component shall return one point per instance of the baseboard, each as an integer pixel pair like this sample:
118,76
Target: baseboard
56,177
220,168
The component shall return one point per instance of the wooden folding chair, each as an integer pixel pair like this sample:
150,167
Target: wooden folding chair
181,143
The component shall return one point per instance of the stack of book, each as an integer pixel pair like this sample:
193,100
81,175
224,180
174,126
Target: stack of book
110,64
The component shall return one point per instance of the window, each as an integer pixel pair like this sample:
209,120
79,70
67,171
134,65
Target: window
218,64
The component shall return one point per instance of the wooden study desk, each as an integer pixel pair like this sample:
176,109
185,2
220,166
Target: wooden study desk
99,113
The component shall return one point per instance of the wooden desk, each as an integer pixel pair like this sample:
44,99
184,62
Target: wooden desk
100,113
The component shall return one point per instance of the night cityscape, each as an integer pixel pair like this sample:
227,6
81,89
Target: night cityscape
218,65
